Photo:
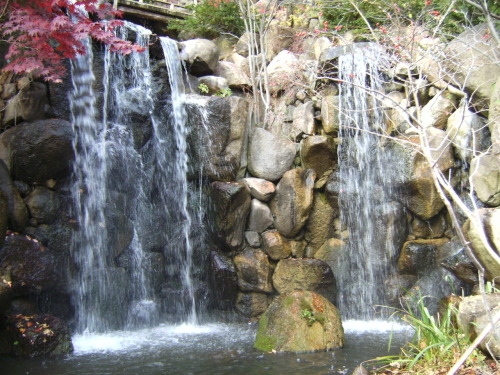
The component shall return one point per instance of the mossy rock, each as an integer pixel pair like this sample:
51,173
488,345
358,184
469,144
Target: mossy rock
300,322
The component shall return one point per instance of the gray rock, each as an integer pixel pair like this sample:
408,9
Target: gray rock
453,257
303,121
17,212
260,216
282,70
253,239
30,104
252,304
269,155
277,38
223,281
438,110
4,212
200,55
293,201
473,317
235,76
215,84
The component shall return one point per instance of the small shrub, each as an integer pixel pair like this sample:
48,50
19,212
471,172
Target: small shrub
224,92
211,18
203,88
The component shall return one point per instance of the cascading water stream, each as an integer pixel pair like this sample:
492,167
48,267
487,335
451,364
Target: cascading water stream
133,252
365,188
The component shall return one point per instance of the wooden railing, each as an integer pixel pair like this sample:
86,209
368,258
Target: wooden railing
172,8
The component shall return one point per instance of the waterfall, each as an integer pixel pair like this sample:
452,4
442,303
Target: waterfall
365,195
133,251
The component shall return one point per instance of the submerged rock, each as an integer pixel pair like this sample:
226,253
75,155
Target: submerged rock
299,322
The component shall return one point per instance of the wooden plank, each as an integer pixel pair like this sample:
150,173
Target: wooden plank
178,12
146,15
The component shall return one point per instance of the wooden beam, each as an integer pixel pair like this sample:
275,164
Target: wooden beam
160,7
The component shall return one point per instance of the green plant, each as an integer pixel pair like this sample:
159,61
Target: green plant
211,18
436,344
203,88
308,315
224,92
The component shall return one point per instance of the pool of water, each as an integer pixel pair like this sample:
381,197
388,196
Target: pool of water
213,349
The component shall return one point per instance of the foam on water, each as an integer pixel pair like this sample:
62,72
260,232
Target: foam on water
375,326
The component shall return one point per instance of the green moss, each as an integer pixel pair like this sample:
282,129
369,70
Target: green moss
263,341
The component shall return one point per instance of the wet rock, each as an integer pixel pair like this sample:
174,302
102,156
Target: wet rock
485,175
38,335
17,212
298,322
396,286
252,305
293,201
275,245
304,274
260,189
319,153
330,252
473,317
4,211
453,256
200,55
254,271
433,228
41,150
488,256
269,155
419,255
43,205
260,216
5,291
224,281
320,223
32,268
232,203
360,370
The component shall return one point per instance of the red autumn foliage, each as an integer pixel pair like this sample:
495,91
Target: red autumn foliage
42,33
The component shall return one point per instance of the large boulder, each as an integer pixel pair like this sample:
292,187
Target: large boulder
275,245
219,139
304,274
418,256
453,256
33,269
223,280
17,212
474,316
269,155
330,252
232,204
38,335
472,61
318,152
485,177
41,150
299,322
254,271
486,248
200,55
235,75
293,201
